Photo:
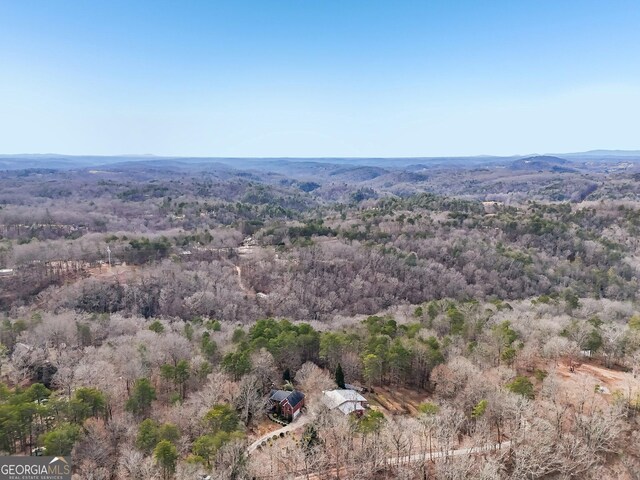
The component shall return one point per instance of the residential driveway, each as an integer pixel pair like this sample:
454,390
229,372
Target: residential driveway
301,421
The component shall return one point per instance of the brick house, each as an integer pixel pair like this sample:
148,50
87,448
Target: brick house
287,404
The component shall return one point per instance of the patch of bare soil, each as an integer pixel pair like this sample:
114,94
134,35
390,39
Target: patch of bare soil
587,378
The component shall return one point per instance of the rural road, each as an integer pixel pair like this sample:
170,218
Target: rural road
241,285
246,291
419,457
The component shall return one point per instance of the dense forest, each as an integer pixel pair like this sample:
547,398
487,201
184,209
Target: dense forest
487,312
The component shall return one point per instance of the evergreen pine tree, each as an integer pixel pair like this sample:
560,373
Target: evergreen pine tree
339,376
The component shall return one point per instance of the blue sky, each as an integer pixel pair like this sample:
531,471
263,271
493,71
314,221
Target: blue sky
319,77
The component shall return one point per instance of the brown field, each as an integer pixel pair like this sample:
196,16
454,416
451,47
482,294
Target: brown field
397,401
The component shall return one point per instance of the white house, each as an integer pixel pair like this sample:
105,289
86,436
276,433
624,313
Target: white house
347,401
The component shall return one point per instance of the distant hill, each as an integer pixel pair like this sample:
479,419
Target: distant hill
358,174
543,163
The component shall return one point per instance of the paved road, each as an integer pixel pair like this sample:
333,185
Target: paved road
301,421
419,457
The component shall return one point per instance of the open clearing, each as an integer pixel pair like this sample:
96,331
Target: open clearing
586,376
396,401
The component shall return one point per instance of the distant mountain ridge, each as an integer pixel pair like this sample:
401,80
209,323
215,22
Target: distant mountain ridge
531,161
605,153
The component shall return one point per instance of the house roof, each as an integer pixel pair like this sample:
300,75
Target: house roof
279,395
346,401
350,407
293,397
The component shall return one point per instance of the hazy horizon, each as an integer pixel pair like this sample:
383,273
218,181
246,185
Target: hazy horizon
595,152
